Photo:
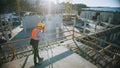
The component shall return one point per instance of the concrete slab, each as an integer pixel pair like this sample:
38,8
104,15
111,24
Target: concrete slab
60,57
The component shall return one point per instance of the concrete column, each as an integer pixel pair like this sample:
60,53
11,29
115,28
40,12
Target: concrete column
6,35
11,22
25,30
84,27
114,36
110,37
101,43
109,20
117,35
62,27
97,22
57,30
74,23
105,38
96,25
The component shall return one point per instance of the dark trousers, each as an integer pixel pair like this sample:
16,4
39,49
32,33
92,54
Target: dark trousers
34,44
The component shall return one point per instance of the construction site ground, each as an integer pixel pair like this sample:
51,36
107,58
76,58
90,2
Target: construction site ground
54,57
67,53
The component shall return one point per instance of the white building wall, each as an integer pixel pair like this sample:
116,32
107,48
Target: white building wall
104,16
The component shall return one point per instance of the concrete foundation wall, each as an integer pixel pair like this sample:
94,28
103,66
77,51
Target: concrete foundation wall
109,17
30,21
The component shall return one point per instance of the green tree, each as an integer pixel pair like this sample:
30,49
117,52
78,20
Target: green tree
78,6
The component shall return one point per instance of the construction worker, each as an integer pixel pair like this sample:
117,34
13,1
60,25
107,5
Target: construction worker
37,34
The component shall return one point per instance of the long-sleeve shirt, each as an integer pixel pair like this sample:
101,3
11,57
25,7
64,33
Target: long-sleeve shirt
42,36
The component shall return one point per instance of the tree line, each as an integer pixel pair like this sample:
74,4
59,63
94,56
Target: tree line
8,6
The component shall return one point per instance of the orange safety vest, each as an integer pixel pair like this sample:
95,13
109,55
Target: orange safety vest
35,34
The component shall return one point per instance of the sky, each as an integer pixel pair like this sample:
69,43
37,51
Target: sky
95,3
